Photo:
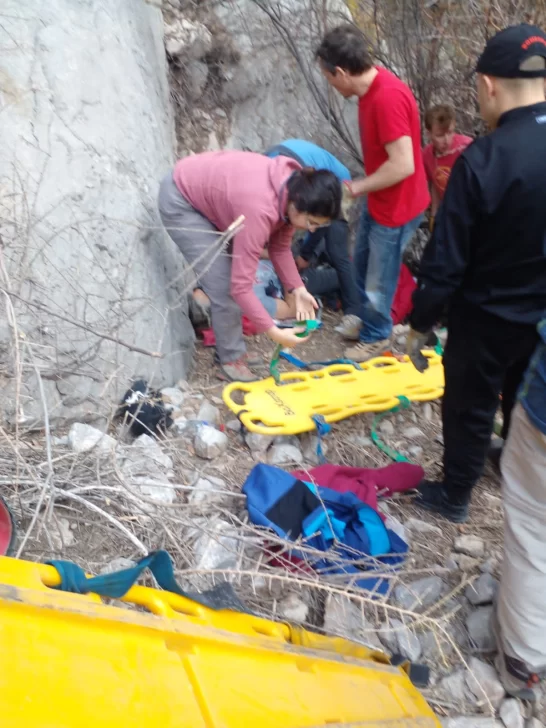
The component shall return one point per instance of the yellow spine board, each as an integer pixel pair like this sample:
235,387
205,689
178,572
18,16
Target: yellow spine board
335,392
71,661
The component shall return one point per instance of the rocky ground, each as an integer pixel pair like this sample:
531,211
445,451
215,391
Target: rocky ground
102,499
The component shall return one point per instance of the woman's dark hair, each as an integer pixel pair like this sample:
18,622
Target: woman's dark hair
315,191
345,47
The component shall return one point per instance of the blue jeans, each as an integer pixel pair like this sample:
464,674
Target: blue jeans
377,260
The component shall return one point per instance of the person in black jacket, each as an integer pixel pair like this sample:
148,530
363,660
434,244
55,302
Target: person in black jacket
487,261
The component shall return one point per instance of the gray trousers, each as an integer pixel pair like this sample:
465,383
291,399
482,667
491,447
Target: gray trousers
522,594
197,239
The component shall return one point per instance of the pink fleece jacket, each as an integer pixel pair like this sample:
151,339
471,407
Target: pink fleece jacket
223,185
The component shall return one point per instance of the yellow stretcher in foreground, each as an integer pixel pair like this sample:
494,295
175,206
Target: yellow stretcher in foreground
72,661
335,392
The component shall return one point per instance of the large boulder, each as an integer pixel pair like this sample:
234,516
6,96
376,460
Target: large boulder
261,70
87,133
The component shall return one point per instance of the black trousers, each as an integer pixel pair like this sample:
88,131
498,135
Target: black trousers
336,254
485,356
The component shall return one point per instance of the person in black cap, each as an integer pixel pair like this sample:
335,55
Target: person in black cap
487,261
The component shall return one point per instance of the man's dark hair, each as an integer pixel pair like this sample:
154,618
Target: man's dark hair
315,191
345,47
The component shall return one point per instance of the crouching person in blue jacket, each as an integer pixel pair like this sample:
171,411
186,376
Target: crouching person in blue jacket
521,609
330,243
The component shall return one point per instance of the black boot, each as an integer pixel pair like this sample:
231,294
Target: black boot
432,496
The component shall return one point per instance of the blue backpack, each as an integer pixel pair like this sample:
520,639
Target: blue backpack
338,524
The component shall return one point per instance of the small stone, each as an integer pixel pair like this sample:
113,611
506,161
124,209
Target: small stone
284,454
419,526
180,425
419,594
173,396
415,451
427,411
216,547
309,444
434,646
293,609
233,426
210,443
484,683
361,441
467,563
258,444
183,386
61,534
147,451
344,618
489,566
209,413
454,687
470,545
482,591
510,714
404,641
60,441
117,565
386,427
217,400
413,433
84,438
480,630
451,564
204,492
160,491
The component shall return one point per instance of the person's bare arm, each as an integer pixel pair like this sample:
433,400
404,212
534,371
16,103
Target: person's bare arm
398,167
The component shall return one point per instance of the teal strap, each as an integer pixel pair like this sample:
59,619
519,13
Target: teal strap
403,403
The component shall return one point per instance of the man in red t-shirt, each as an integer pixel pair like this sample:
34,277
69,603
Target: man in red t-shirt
395,184
443,151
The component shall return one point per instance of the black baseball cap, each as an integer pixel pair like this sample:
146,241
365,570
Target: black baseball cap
506,51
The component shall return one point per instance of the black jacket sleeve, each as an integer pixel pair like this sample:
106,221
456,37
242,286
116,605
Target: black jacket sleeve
447,253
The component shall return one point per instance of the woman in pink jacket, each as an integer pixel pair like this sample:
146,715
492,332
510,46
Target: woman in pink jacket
203,195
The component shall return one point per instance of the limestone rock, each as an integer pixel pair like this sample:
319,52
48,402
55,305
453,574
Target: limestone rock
386,427
419,594
117,565
258,444
216,547
83,438
233,426
284,454
209,413
455,688
413,433
173,397
183,36
205,492
471,721
470,545
210,443
293,609
344,618
482,681
482,591
480,630
401,639
101,134
510,714
419,526
60,533
309,444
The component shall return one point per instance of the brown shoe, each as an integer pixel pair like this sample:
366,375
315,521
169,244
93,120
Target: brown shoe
236,371
361,352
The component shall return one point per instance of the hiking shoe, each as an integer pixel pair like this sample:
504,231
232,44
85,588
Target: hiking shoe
516,678
349,327
432,496
236,371
362,352
251,360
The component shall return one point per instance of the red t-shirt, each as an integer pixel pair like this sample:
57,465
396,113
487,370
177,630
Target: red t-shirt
438,167
387,112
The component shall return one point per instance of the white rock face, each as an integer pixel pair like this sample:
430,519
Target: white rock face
87,134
